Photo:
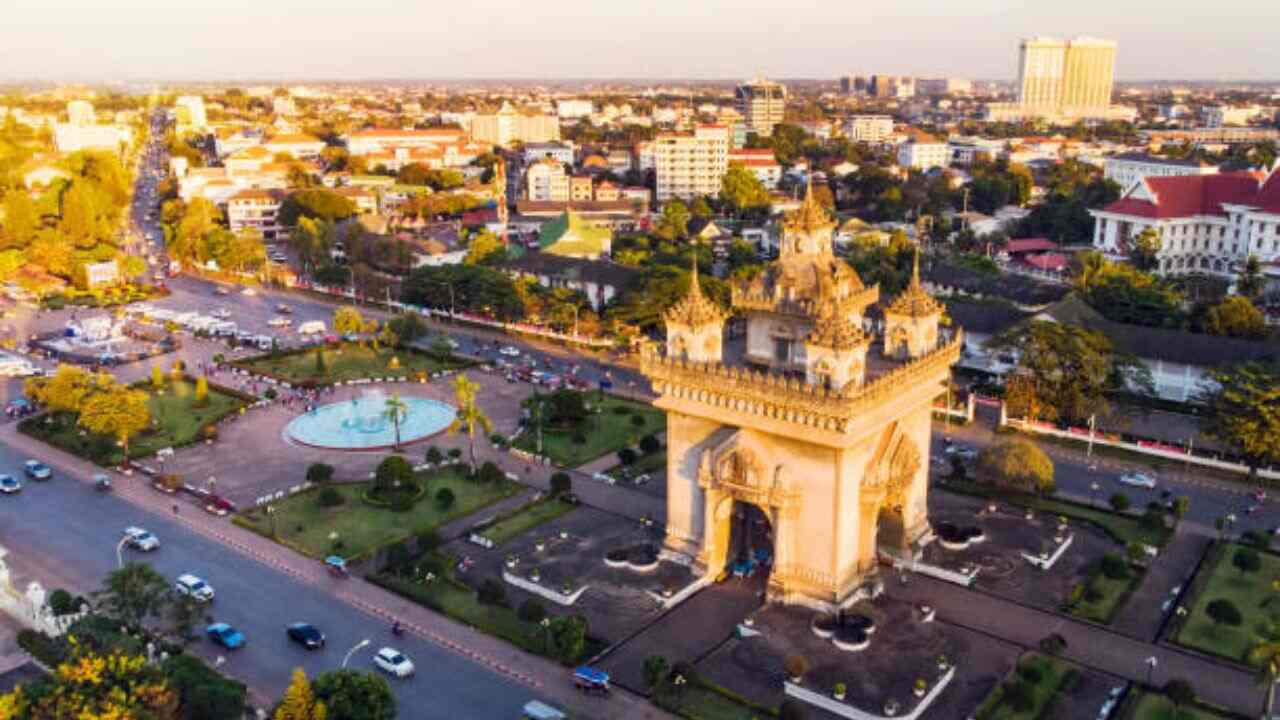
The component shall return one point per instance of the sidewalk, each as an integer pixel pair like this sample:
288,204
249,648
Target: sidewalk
541,674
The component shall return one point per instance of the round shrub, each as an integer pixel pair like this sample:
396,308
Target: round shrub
637,420
531,611
444,499
1114,567
649,444
561,483
330,497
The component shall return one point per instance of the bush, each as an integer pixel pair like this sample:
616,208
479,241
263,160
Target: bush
561,483
41,647
444,499
655,670
319,473
492,592
1030,673
1223,612
392,473
795,665
206,694
329,497
792,709
1018,696
490,473
627,456
621,410
455,453
1255,539
531,611
61,602
1070,681
1247,560
429,540
685,670
434,456
649,444
1114,567
1092,594
397,556
637,420
578,437
1053,644
271,394
1120,502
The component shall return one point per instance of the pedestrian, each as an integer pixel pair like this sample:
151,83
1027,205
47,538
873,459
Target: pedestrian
175,508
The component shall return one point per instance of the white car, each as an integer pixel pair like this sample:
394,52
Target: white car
510,351
393,662
279,321
140,539
37,470
1138,479
249,291
194,587
8,485
221,313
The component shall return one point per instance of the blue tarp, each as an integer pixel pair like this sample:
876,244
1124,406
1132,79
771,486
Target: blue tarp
591,675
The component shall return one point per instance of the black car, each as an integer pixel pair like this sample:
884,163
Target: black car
306,635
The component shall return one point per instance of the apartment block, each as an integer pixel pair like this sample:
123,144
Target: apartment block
690,165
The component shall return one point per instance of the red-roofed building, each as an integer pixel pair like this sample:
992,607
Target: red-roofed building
1206,223
1027,245
761,162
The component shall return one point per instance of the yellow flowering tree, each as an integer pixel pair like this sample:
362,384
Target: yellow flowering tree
114,686
119,412
299,702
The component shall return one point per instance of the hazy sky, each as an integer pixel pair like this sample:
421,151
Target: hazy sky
299,39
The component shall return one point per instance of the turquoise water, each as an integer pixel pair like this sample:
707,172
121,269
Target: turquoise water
361,423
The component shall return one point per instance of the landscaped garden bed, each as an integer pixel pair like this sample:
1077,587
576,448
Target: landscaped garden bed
1027,693
344,362
177,418
1152,706
526,518
1232,600
577,427
340,519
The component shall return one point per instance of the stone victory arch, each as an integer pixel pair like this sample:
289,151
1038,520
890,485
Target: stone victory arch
822,428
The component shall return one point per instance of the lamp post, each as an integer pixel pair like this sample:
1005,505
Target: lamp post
271,515
120,552
1094,488
1151,663
1093,422
353,651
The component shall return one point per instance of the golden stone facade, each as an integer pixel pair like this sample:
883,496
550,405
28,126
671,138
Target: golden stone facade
823,431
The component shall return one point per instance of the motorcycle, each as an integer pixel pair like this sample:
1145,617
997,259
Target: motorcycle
102,483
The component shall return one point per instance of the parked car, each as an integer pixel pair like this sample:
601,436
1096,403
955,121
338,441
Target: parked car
37,470
1138,479
509,351
9,485
279,322
140,539
194,587
306,635
225,635
284,309
393,662
249,291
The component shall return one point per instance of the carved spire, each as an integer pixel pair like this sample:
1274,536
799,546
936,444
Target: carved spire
810,217
915,301
694,309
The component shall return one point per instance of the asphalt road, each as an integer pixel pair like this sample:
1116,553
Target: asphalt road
64,523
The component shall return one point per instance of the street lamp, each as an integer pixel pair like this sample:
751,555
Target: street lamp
271,515
1094,487
353,650
120,552
1151,663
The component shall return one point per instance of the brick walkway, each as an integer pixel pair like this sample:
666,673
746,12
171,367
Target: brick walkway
1090,645
541,674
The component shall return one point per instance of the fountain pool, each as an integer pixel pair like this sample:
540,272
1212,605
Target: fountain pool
362,423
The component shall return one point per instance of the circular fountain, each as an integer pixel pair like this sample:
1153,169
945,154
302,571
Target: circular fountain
363,423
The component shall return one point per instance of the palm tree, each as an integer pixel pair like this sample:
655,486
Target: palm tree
396,410
1266,657
469,414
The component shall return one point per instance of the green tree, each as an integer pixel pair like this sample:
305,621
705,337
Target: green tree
1181,506
205,693
319,473
1071,369
18,221
319,203
1236,316
1223,612
1017,464
1265,656
134,593
392,473
67,391
469,416
655,670
1119,502
1247,561
1251,282
673,224
485,248
1144,250
119,412
299,701
741,190
1242,411
347,320
355,695
568,638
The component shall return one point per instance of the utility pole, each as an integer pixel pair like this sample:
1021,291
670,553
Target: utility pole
1092,423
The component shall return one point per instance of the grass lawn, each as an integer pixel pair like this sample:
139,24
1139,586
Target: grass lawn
704,703
651,463
1051,672
1156,707
1113,592
176,421
348,361
1246,591
1123,529
304,525
606,431
528,517
448,595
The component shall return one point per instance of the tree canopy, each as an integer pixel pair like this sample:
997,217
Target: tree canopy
1017,464
1242,405
315,203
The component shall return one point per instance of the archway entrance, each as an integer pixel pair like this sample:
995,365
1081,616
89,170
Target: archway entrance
750,551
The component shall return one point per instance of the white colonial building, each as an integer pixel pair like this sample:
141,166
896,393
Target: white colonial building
1206,223
1125,170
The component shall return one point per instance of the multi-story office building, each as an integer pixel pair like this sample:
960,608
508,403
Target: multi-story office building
560,152
924,152
853,85
1065,79
943,86
892,86
509,125
762,104
1216,116
687,166
258,209
574,108
80,112
868,128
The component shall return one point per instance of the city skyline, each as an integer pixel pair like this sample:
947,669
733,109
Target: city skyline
238,39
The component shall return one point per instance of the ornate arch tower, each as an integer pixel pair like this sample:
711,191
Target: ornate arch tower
822,430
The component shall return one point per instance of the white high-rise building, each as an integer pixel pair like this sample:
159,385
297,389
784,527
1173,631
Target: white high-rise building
868,128
80,112
190,112
762,104
574,108
1066,79
688,166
